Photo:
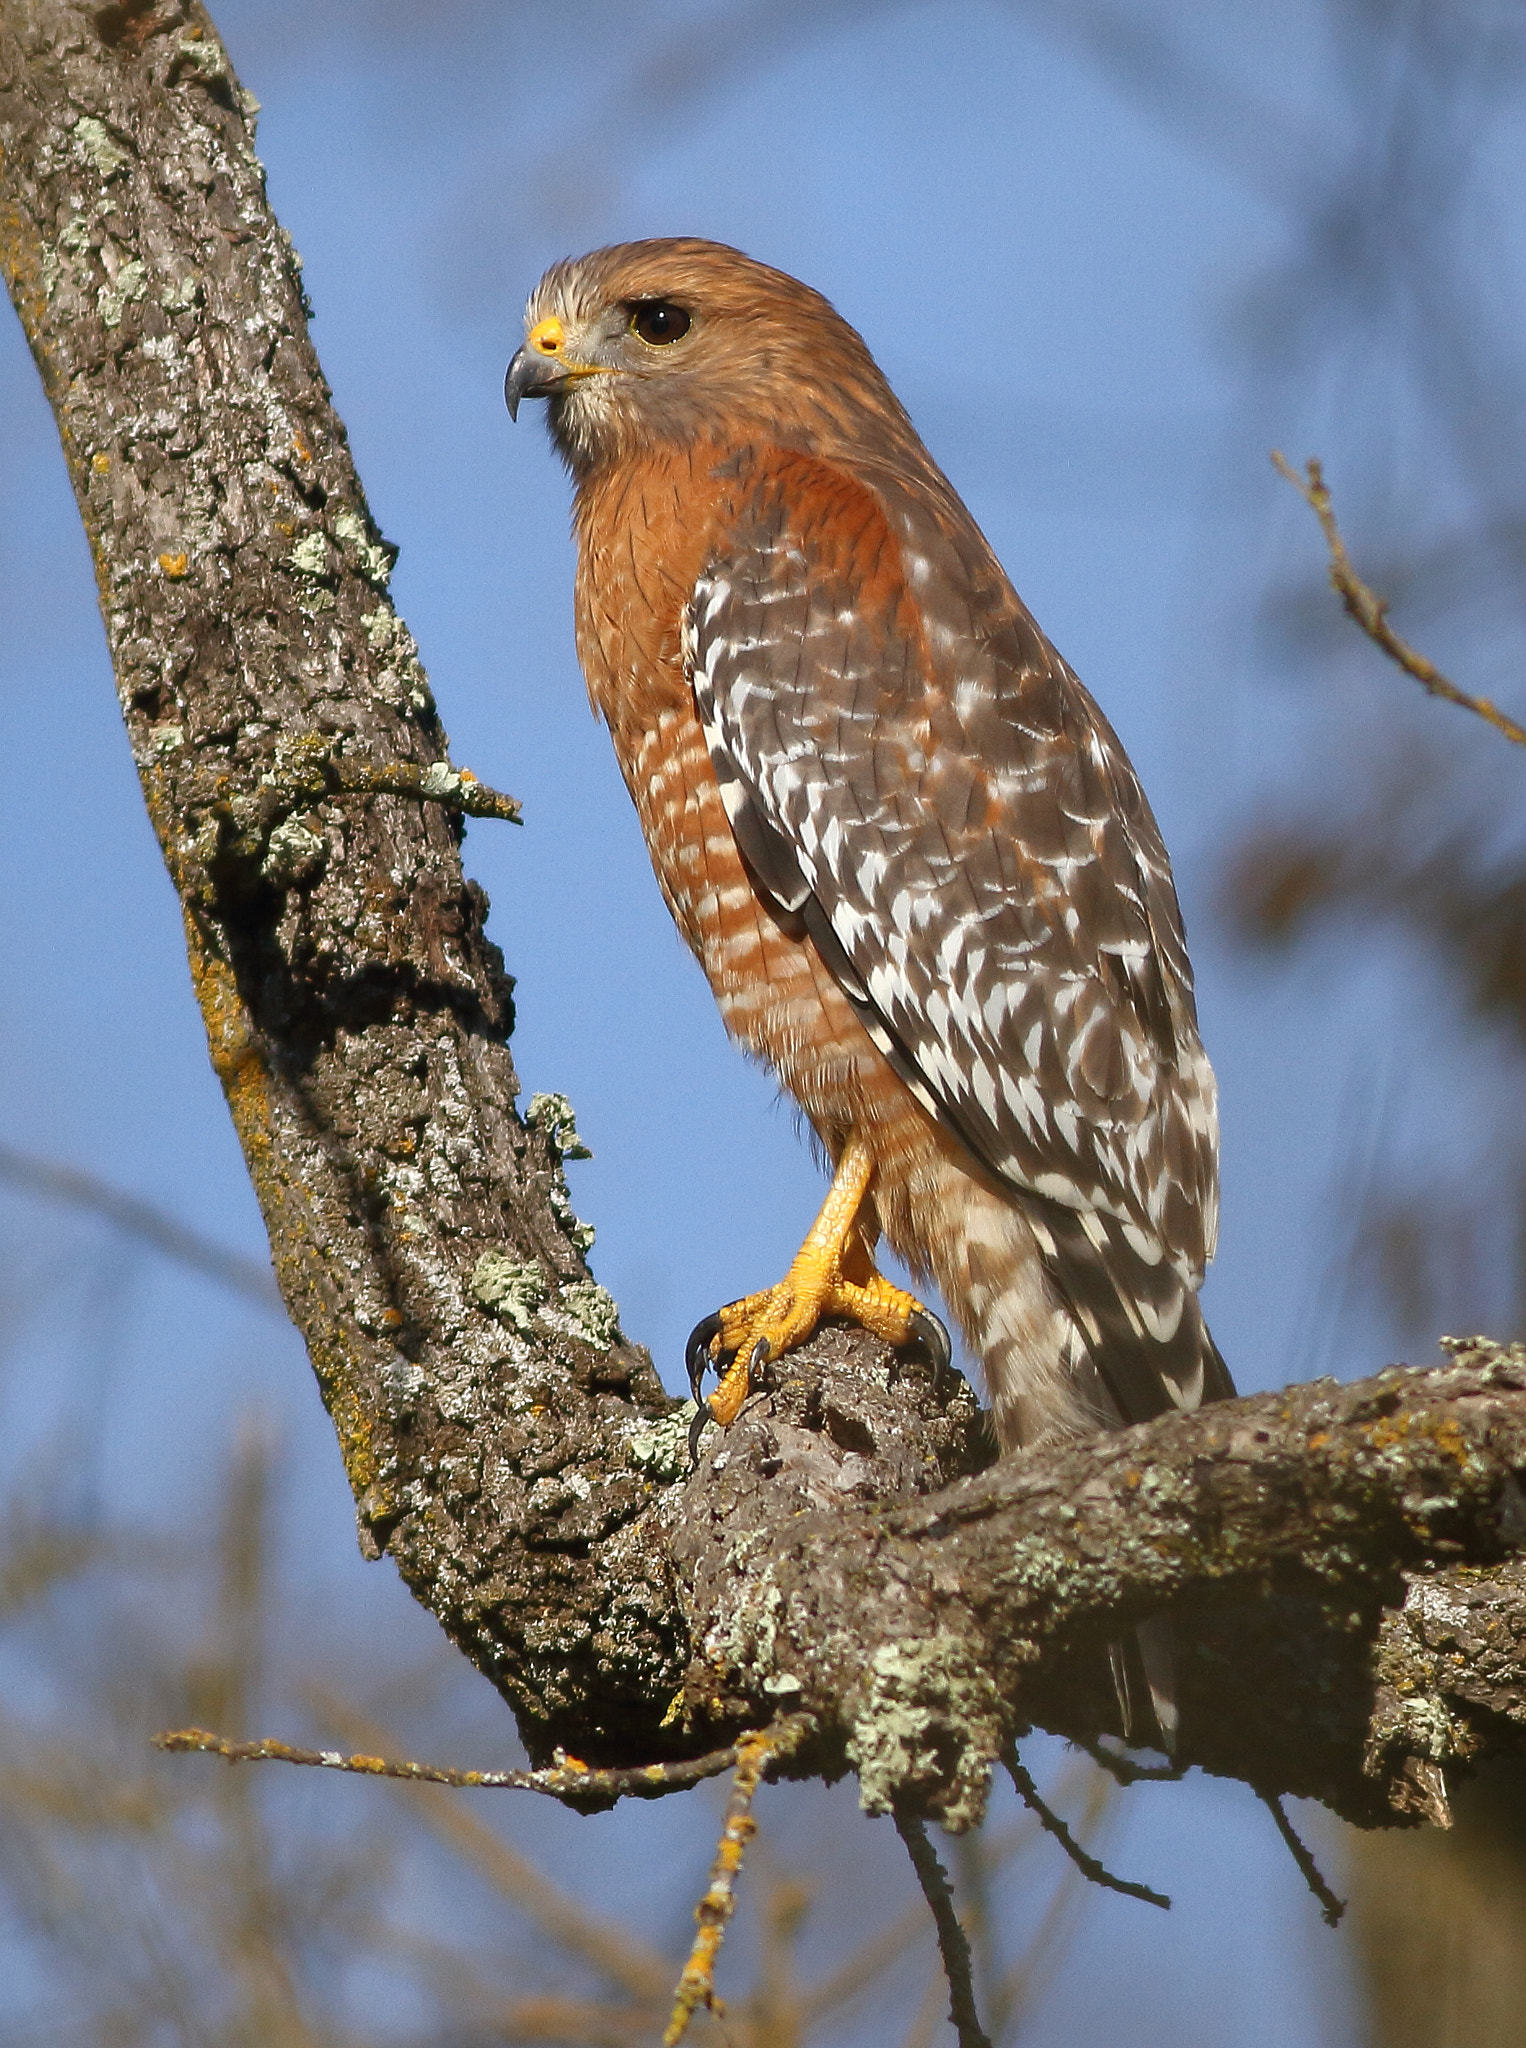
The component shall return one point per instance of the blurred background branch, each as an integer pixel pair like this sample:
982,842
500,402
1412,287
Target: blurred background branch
144,1221
1371,611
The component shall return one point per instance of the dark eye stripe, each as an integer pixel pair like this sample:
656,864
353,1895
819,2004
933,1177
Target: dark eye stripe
659,321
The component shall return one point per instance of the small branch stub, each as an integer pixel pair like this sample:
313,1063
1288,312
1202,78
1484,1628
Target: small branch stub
1090,1867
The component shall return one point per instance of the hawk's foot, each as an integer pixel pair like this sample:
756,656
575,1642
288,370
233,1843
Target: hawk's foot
832,1274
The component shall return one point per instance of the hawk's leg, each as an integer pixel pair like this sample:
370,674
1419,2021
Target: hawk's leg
832,1274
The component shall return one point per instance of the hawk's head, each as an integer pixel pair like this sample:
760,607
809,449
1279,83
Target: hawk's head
679,340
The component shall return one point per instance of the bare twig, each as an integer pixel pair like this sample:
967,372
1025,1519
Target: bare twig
567,1779
1330,1907
696,1985
1084,1861
952,1945
454,789
315,773
1124,1769
251,1278
641,1972
1370,611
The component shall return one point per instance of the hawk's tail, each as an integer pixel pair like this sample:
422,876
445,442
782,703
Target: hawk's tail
1117,1338
1137,1313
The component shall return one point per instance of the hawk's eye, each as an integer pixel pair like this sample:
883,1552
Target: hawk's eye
659,321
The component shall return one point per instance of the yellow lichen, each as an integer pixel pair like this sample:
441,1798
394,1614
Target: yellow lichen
1386,1433
1450,1441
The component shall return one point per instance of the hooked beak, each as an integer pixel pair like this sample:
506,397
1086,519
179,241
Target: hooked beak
542,366
532,375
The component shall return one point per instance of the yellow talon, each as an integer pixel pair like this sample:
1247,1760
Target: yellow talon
832,1274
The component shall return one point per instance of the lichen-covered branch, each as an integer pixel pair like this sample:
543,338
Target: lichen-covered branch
355,1014
567,1780
1343,1563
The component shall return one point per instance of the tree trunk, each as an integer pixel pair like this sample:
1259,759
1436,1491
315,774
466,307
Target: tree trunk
1343,1562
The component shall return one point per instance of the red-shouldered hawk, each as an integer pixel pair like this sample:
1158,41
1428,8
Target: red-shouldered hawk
906,846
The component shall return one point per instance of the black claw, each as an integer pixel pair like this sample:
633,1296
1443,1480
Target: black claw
698,1361
933,1337
702,1415
697,1353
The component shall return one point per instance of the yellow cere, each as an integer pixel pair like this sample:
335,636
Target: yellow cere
548,337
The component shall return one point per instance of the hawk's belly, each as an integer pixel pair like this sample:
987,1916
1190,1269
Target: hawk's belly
940,1211
943,1216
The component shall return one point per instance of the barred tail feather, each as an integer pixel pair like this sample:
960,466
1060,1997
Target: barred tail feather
1079,1330
1137,1311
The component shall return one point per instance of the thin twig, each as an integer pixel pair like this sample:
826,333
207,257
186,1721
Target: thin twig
1018,1988
952,1945
1330,1907
1124,1769
306,773
567,1779
251,1278
1370,611
1084,1861
455,789
696,1985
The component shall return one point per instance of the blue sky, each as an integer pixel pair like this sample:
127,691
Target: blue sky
1059,282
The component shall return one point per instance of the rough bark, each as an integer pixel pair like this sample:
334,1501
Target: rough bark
1343,1562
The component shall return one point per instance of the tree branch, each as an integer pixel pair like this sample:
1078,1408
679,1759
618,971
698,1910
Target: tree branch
1092,1868
1343,1563
567,1779
953,1944
1370,611
1331,1909
151,1226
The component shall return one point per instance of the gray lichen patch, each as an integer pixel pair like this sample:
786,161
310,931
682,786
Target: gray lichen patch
1424,1726
293,855
576,1231
374,559
310,556
1504,1363
929,1725
509,1289
556,1120
94,145
592,1313
129,284
381,627
661,1452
